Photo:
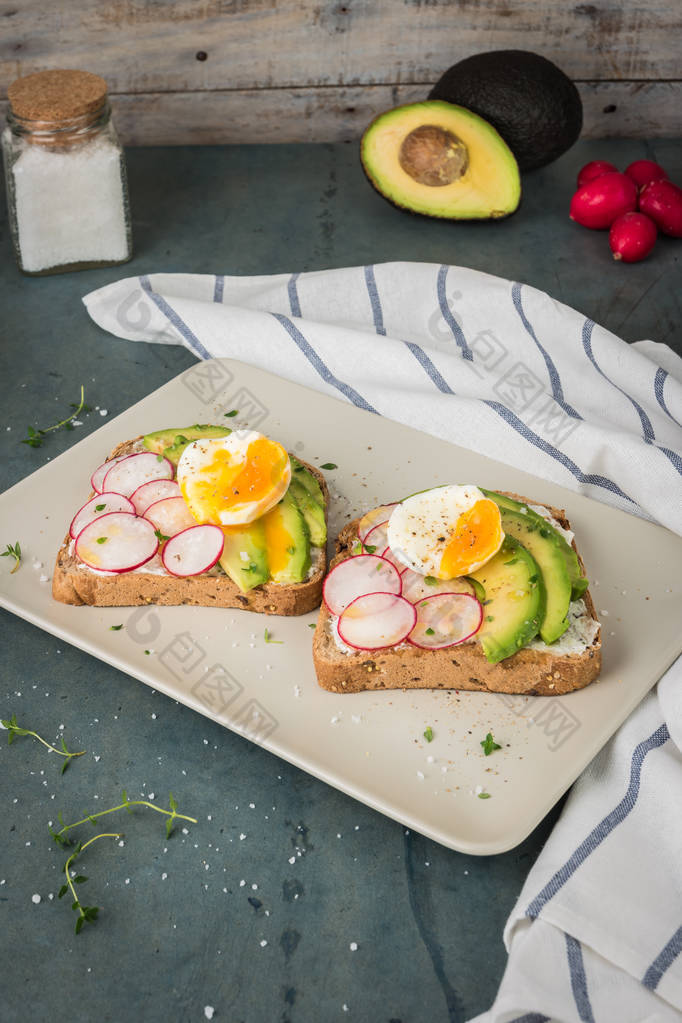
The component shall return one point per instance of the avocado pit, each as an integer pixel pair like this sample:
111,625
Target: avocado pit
433,156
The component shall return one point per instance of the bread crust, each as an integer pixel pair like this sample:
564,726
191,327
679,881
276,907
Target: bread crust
527,672
72,583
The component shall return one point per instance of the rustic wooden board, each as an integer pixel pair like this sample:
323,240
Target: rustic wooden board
304,70
616,109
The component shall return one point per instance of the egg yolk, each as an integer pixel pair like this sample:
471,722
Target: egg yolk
477,535
234,481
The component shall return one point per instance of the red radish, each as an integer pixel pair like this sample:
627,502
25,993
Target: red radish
594,169
170,516
97,506
117,542
194,550
415,586
155,490
377,538
97,478
132,471
394,559
377,620
662,201
599,202
644,171
364,573
373,518
632,237
446,619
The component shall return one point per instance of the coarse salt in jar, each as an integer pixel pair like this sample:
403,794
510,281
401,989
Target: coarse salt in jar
65,174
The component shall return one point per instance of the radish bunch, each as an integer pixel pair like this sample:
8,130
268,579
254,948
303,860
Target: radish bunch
634,206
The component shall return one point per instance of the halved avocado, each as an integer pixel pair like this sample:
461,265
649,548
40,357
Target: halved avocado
441,160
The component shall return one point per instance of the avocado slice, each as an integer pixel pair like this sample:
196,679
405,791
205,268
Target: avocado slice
515,601
306,478
312,513
578,581
171,443
534,106
287,539
545,548
441,160
245,555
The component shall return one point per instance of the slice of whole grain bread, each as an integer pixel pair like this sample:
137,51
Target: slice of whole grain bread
528,672
74,583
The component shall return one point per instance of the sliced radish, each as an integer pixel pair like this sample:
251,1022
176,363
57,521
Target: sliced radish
194,550
415,586
170,515
374,518
395,560
132,471
377,538
446,619
97,478
377,620
147,495
102,504
364,573
117,542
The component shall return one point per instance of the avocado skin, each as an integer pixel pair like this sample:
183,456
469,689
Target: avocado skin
534,106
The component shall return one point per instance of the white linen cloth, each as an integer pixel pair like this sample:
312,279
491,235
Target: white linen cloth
505,370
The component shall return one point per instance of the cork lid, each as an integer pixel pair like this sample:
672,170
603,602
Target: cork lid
56,95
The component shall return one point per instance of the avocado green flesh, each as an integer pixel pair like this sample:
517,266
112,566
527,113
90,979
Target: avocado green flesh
487,186
515,601
245,555
547,553
286,521
307,480
578,581
312,513
171,443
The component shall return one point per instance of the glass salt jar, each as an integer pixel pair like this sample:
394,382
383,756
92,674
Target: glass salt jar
65,173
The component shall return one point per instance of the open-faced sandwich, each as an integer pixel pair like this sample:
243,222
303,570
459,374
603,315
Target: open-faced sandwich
458,588
202,515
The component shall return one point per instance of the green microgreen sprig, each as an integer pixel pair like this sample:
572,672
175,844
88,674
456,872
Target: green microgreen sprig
489,745
88,914
14,730
267,636
428,734
329,466
13,552
35,437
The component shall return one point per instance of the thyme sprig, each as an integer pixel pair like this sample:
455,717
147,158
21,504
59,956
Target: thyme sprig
86,914
15,730
35,437
13,551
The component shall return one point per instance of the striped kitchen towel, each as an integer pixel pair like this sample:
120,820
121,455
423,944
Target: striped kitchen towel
495,366
507,371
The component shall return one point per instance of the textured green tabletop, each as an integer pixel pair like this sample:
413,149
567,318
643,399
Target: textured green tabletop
287,901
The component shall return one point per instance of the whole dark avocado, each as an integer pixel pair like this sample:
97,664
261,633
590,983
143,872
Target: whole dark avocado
528,99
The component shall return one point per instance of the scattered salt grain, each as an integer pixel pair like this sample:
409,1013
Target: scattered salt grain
263,943
104,412
208,1011
35,899
242,837
292,859
353,946
164,876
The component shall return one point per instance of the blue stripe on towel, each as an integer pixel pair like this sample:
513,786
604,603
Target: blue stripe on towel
377,315
555,380
292,289
452,323
605,826
576,968
549,449
659,385
426,364
663,960
179,324
218,288
314,359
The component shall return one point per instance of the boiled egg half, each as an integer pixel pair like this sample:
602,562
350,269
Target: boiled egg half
445,532
235,479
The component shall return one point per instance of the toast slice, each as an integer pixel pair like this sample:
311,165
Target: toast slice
74,583
531,671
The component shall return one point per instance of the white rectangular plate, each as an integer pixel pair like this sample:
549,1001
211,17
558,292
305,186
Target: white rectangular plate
369,745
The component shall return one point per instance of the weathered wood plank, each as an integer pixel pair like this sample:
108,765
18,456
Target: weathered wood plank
151,46
339,114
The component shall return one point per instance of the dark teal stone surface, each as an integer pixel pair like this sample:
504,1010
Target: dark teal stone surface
178,930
